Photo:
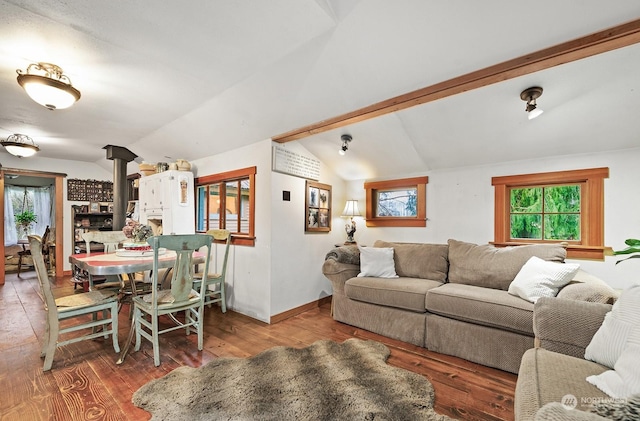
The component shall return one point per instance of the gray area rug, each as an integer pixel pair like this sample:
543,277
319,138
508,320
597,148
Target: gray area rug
325,381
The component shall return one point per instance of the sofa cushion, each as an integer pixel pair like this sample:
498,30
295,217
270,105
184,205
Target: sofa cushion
416,260
484,306
495,267
547,376
405,293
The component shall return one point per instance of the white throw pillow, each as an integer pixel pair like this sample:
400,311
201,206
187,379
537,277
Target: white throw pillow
624,380
610,340
541,278
377,262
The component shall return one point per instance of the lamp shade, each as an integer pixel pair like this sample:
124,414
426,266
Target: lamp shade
50,88
351,209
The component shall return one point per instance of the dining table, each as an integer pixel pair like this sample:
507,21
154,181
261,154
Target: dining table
125,264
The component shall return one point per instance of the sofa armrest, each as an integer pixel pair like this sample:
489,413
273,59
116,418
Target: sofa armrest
567,326
587,287
338,273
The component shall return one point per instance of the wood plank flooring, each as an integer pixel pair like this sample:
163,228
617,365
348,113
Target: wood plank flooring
86,384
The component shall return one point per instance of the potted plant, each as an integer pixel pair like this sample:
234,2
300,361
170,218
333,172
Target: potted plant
633,249
25,219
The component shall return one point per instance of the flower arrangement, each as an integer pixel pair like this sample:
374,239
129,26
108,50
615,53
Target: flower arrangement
141,233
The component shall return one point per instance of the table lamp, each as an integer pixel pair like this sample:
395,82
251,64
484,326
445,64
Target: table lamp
350,210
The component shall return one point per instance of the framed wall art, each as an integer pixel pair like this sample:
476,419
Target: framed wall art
94,207
317,206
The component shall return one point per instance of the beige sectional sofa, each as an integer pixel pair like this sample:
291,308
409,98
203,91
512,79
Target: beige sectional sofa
450,298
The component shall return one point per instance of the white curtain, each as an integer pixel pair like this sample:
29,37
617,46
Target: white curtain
42,208
41,199
10,231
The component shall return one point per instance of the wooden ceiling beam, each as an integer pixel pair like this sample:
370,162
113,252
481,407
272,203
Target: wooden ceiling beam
587,46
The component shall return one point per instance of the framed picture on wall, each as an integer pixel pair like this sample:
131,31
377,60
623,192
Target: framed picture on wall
94,207
317,207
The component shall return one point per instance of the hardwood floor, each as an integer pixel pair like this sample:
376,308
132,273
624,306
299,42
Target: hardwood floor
86,384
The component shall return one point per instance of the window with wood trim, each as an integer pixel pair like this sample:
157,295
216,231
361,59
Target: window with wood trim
397,203
227,201
561,206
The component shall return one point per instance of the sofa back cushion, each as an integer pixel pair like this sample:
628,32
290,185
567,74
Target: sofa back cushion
495,267
419,260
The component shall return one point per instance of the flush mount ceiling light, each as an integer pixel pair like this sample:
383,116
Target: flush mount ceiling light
530,95
346,138
48,86
20,145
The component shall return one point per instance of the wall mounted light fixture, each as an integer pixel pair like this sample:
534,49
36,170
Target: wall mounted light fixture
346,138
48,86
530,95
20,145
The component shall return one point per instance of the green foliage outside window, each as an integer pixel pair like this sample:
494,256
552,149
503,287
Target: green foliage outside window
546,213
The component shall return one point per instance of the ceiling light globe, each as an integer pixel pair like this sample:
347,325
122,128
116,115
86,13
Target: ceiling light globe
48,86
20,151
50,93
341,152
20,145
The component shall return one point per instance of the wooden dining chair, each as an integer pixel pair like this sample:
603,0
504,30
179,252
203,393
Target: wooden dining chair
27,252
214,289
111,241
82,309
108,242
180,297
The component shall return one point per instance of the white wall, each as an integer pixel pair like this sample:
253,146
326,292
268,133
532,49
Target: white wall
283,270
297,256
249,268
460,206
73,169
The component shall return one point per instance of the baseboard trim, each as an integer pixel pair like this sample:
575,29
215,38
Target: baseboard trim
295,311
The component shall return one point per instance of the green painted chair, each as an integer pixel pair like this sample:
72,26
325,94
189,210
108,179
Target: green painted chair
180,297
214,289
76,307
109,241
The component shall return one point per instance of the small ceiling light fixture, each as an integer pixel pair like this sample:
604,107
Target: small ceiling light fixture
530,95
20,145
48,86
346,138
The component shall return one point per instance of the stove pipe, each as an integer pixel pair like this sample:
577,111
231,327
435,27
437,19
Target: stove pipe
120,157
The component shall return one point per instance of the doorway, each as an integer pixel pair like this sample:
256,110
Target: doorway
13,177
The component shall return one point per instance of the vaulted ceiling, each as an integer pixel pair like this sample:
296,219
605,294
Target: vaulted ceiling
191,79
